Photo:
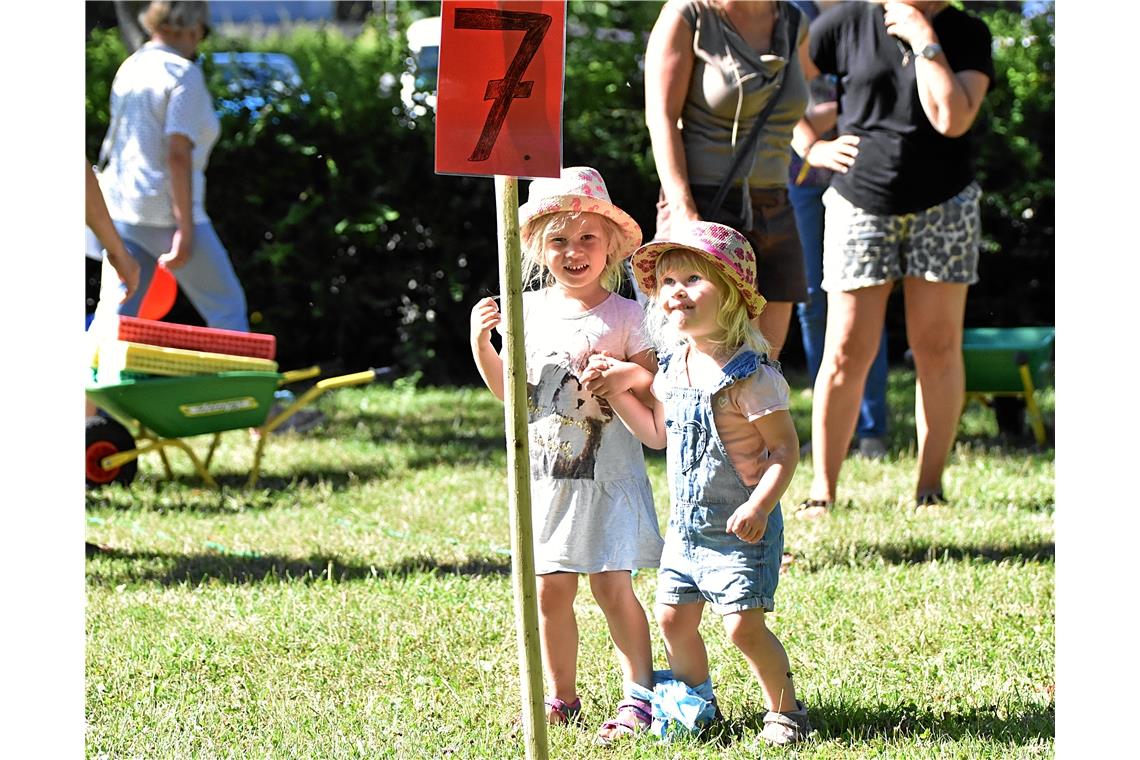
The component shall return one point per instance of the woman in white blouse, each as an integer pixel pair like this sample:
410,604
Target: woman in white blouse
163,127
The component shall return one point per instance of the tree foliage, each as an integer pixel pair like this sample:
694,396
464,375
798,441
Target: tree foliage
350,247
1016,159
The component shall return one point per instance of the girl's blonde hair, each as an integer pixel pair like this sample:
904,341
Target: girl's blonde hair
534,234
736,328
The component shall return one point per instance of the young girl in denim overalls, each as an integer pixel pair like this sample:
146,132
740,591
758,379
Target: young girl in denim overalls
720,408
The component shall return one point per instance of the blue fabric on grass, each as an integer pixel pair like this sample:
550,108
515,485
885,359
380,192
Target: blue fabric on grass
680,709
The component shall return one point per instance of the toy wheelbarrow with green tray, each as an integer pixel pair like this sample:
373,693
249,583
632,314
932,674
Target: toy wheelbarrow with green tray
166,410
169,392
1009,362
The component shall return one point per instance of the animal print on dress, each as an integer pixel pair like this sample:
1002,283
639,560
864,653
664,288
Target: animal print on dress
566,420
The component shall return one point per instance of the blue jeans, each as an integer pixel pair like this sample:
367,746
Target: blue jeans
808,205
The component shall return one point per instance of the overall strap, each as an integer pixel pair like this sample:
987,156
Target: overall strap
739,367
744,365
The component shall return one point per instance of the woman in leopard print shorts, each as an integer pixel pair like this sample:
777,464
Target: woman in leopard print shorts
903,205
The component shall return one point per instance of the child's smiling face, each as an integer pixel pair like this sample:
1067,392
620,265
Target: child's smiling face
576,254
690,300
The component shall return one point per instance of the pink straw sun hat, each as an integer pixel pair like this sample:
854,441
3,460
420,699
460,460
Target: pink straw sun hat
579,189
725,248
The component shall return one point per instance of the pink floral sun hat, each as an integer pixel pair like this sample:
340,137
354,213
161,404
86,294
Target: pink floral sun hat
724,247
580,189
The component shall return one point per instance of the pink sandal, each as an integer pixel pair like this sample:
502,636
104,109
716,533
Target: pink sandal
633,716
561,713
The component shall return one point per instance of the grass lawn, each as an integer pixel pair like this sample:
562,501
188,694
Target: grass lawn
358,602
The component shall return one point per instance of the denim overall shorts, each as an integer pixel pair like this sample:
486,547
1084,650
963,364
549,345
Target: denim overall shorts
700,561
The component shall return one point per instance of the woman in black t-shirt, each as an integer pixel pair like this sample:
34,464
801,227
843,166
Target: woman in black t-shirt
903,204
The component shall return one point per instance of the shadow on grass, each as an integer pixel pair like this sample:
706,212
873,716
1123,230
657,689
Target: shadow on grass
440,428
187,493
1007,443
1014,724
1038,551
1017,723
251,567
920,553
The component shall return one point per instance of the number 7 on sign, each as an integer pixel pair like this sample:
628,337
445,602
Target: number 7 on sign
511,86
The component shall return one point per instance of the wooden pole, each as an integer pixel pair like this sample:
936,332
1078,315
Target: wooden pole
518,468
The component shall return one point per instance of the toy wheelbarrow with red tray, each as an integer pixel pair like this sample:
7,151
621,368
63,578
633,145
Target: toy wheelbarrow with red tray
171,382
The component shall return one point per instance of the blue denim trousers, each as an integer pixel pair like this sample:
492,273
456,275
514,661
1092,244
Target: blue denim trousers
208,278
808,206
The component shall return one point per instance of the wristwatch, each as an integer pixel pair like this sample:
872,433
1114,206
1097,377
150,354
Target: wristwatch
931,51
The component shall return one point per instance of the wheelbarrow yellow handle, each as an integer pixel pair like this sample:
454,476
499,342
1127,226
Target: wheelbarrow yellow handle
343,381
357,378
295,375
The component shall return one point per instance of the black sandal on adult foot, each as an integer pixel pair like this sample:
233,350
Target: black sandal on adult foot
931,499
810,509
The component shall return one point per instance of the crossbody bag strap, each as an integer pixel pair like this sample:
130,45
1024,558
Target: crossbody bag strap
749,145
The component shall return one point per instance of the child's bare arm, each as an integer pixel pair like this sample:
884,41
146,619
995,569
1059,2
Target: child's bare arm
750,520
645,422
484,316
606,376
641,381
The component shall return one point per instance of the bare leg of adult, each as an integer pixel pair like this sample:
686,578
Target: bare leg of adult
773,323
854,327
934,315
558,633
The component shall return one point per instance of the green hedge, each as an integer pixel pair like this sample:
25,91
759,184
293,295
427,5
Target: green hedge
1016,142
351,248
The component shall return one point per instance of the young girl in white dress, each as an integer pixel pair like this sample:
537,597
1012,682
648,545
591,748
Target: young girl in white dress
591,500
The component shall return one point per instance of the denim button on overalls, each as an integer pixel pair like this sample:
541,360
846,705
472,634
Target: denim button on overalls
700,560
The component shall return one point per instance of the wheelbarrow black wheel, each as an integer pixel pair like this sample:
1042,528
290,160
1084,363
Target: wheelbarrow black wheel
104,438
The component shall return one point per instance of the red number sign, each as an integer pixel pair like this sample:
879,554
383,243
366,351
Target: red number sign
499,107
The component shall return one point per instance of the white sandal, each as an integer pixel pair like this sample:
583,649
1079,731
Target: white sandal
782,728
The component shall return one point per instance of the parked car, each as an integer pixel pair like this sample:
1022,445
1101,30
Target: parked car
418,83
253,80
243,11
